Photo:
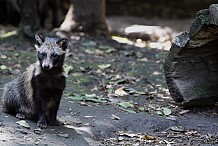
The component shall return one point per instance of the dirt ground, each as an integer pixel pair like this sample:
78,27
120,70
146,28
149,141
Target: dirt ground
116,95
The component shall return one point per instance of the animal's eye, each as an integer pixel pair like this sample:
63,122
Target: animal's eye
43,54
54,55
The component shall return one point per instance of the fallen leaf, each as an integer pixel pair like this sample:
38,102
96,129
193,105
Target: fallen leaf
106,49
90,116
130,90
143,59
3,67
23,123
90,50
87,97
63,135
68,69
160,113
177,128
126,104
38,131
104,66
120,92
84,104
173,118
141,109
76,97
166,111
3,56
96,100
183,112
148,137
122,133
120,138
115,117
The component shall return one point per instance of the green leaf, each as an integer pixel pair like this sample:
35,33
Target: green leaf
90,95
126,104
97,100
107,49
3,67
130,90
23,123
160,113
120,92
68,69
141,109
76,97
166,111
87,97
90,51
104,66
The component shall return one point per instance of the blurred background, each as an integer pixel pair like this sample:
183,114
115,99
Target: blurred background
140,21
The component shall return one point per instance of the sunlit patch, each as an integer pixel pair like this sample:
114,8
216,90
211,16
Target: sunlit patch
9,34
160,45
155,73
142,28
122,40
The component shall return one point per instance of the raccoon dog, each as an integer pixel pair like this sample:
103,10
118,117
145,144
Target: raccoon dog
36,93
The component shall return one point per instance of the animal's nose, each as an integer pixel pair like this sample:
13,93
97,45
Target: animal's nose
46,66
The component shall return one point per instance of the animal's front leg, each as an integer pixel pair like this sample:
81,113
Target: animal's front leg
52,116
40,106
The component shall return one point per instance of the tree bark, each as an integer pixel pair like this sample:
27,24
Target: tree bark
191,68
86,16
29,19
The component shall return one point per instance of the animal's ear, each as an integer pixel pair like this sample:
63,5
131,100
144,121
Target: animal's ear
63,43
39,39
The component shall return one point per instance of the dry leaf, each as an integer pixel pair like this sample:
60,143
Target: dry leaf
148,137
115,117
23,123
120,92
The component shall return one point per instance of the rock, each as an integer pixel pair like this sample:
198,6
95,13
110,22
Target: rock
191,68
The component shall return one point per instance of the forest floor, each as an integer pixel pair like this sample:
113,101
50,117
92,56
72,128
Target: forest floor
116,94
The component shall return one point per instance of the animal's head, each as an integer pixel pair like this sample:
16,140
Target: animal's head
51,51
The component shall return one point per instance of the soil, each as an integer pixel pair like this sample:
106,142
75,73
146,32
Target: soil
116,95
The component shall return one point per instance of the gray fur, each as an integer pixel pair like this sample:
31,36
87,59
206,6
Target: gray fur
17,94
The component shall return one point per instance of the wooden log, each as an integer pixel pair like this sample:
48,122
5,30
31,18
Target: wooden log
191,68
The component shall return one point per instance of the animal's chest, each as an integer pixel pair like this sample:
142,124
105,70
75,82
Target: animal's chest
52,83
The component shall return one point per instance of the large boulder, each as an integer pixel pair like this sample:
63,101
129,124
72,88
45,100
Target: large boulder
191,68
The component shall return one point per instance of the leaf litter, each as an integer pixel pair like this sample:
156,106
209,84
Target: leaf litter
23,123
124,62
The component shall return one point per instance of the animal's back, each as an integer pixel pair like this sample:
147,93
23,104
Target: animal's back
17,95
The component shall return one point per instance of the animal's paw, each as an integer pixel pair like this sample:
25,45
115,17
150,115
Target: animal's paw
20,116
42,124
54,123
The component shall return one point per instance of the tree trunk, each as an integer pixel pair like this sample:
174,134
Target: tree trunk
29,19
191,68
86,16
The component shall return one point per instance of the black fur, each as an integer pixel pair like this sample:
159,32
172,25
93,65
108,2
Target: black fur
47,92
